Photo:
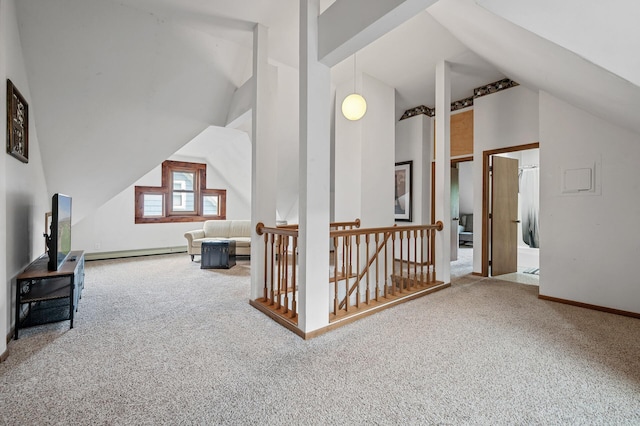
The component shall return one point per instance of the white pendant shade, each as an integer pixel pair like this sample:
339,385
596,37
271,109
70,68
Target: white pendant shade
354,107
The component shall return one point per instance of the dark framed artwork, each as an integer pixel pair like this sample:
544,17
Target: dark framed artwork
17,124
403,192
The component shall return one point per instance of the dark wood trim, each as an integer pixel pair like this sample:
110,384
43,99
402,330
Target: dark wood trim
168,166
477,274
462,159
484,269
433,203
200,189
4,355
589,306
178,219
525,147
486,155
433,191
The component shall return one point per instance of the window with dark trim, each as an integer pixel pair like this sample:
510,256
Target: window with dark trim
183,196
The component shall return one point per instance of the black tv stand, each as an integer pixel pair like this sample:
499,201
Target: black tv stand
44,296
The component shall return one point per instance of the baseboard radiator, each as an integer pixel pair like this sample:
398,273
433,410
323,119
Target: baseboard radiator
134,253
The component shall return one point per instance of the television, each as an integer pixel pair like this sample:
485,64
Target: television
59,238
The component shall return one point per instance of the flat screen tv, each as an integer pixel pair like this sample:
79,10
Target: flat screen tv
59,239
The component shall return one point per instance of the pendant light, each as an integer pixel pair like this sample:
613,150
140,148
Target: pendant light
354,106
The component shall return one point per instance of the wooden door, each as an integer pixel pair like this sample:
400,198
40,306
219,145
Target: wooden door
504,216
455,212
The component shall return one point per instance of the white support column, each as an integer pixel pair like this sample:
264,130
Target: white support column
315,166
443,171
263,157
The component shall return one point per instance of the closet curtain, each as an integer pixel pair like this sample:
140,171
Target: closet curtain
530,205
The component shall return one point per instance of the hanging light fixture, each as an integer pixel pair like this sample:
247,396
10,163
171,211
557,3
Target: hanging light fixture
354,106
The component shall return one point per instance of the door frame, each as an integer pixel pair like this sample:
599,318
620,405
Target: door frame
462,159
433,182
486,156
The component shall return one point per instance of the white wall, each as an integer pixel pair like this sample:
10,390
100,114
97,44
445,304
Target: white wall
347,160
23,192
591,241
414,143
111,227
364,153
378,149
502,119
288,135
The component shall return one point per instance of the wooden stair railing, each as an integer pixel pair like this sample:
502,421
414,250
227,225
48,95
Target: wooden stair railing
378,266
401,280
372,259
281,265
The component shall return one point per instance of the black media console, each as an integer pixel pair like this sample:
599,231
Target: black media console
44,296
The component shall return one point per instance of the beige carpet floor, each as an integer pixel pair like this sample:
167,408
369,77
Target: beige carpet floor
159,341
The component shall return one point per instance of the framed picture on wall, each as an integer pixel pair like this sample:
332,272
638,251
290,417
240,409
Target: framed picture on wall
403,193
17,124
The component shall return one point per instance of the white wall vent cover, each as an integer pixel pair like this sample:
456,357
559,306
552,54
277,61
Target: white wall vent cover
580,178
576,180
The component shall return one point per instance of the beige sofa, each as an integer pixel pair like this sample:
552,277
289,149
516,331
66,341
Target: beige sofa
215,230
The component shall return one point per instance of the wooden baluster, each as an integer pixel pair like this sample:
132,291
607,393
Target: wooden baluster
422,245
429,254
358,271
427,246
393,263
344,254
432,257
283,266
294,283
266,266
368,295
401,261
377,266
272,300
409,282
347,300
415,257
386,265
350,255
285,274
279,275
336,301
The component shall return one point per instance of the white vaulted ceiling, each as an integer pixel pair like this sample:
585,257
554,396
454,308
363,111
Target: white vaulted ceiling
118,86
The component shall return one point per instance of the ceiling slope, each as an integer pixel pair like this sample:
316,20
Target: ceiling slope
540,64
116,90
603,32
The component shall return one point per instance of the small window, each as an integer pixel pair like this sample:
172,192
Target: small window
153,205
183,192
183,196
210,205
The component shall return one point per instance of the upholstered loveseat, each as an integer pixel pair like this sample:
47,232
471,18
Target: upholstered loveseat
465,229
215,230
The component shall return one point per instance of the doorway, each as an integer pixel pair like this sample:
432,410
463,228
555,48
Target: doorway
462,216
510,211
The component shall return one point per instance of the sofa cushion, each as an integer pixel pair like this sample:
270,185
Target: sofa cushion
242,241
216,228
466,220
240,228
